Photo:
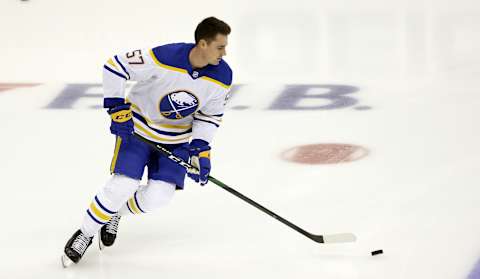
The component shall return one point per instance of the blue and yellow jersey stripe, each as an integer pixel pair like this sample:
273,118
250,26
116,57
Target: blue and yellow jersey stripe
159,132
179,128
122,66
163,129
115,66
212,119
152,135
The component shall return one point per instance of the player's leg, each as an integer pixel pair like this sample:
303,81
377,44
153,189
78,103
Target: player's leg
127,167
161,168
103,206
149,197
146,199
164,178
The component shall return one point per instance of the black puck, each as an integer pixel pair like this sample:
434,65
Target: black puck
377,252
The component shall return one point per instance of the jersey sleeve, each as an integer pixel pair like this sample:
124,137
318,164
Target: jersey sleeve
207,120
136,65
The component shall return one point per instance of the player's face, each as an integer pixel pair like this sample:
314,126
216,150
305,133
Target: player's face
216,49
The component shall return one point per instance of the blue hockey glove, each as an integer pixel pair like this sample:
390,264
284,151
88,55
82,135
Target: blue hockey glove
199,152
122,123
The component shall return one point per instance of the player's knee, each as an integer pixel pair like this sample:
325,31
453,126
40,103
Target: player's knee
119,188
158,194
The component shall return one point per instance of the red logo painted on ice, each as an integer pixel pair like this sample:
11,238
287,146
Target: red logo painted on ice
10,86
328,153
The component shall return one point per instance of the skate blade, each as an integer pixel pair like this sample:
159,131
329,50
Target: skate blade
66,262
100,244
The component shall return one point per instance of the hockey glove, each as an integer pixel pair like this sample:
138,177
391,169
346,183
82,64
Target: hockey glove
199,152
122,123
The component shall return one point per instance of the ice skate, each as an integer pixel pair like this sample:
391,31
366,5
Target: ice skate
75,248
108,232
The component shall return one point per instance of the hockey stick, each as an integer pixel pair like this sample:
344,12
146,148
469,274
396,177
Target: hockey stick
330,238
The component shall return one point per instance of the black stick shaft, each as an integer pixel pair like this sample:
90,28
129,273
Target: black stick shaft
259,206
171,156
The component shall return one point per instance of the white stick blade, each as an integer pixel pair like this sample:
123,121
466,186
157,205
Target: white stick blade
339,238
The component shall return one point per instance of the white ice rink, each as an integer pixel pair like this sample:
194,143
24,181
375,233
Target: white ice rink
415,66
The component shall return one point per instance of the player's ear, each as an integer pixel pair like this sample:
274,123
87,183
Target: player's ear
202,43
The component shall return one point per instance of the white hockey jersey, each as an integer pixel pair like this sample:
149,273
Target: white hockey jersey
171,101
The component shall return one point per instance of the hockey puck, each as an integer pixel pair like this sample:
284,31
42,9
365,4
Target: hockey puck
377,252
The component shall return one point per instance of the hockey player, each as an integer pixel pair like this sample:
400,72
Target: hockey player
178,101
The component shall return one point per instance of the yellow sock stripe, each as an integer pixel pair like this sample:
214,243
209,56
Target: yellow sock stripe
99,214
115,154
133,206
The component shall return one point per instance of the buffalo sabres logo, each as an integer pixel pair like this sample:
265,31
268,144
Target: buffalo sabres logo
178,104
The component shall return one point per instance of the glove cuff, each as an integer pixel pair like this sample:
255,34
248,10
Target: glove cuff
121,114
113,102
198,143
204,154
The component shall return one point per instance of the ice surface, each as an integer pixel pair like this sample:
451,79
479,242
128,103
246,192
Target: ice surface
416,67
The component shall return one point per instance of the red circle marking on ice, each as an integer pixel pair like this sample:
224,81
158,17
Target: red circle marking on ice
328,153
